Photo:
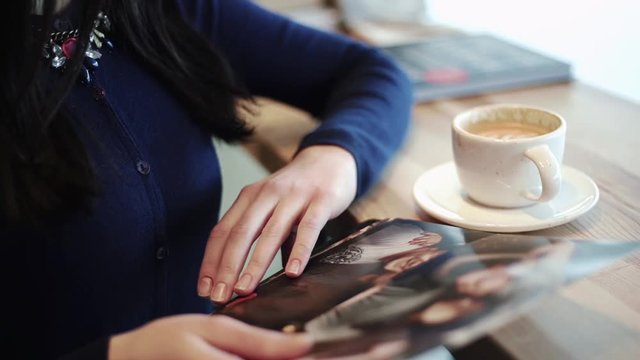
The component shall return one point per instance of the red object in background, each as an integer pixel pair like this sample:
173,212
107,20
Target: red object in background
449,75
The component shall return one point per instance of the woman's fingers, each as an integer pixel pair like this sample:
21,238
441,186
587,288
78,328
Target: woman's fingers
230,335
312,222
217,240
238,243
271,238
205,337
318,184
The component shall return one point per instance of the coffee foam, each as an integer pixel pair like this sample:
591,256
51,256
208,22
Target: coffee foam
507,130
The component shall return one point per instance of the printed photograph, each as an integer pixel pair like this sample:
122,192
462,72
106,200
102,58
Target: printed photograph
400,287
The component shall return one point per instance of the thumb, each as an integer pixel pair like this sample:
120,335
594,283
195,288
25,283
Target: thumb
249,341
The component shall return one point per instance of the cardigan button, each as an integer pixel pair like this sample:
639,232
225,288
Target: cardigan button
143,167
98,93
161,253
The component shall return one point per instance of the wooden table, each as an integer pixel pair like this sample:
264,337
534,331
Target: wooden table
594,318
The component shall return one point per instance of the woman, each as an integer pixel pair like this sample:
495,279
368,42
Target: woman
109,183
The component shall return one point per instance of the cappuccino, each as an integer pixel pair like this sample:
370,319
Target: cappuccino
509,155
507,130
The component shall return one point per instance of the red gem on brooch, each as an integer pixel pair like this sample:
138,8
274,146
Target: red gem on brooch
69,47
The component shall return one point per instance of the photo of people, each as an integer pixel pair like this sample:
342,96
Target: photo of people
461,276
343,270
437,285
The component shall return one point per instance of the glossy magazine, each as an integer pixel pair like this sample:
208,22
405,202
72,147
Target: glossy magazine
399,287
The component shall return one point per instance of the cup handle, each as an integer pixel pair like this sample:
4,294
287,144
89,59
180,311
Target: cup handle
549,170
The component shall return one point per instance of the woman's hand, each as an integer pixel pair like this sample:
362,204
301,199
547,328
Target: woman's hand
316,186
205,337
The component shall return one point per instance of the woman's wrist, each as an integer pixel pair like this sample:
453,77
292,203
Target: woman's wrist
334,154
336,161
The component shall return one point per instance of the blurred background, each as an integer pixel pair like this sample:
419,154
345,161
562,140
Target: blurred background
599,38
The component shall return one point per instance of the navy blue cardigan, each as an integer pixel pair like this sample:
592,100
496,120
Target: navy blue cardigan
136,257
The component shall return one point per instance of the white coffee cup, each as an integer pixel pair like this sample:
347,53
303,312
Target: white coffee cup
509,155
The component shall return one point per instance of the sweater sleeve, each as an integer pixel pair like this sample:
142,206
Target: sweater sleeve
359,94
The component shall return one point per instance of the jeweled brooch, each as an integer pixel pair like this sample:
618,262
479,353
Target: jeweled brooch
62,45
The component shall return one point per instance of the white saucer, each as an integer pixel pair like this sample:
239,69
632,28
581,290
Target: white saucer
439,193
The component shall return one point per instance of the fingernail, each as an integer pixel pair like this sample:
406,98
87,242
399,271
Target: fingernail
204,287
244,282
303,339
294,267
219,292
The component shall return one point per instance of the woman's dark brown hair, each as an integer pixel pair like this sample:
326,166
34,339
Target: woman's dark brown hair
44,167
